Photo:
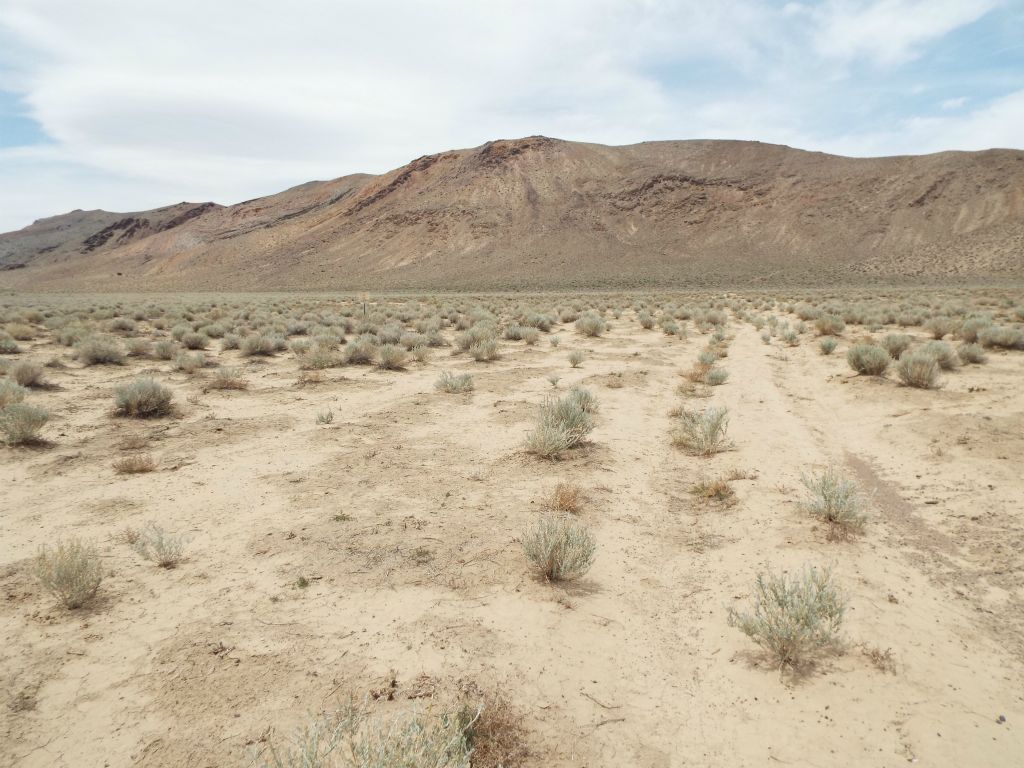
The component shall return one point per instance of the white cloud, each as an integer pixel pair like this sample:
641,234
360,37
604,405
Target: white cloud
953,103
154,103
998,124
889,32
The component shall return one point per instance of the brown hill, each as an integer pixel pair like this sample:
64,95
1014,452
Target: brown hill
539,212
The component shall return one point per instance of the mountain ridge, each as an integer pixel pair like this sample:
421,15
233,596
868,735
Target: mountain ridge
541,212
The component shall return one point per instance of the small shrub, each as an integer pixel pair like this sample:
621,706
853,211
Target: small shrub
20,331
392,357
971,353
139,347
454,383
325,417
190,362
165,349
940,326
11,393
561,548
258,345
194,341
155,544
554,341
918,369
714,489
8,346
493,731
793,617
228,378
896,344
836,500
702,433
576,358
591,324
1001,337
567,497
943,353
562,423
828,345
27,374
360,351
484,350
99,350
134,465
716,376
867,359
71,572
972,326
829,325
349,738
143,398
22,424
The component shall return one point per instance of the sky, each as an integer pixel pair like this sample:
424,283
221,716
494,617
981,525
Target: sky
132,105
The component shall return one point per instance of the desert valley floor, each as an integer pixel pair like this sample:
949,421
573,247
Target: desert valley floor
353,531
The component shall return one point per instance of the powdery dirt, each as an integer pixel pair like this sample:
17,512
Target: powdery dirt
403,515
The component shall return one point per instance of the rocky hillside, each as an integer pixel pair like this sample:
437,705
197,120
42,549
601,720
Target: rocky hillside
539,212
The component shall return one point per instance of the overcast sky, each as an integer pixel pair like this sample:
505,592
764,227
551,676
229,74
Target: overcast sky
131,105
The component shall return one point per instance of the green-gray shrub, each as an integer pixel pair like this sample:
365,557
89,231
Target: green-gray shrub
972,326
392,357
194,341
99,350
157,545
165,349
793,617
836,500
828,345
22,423
258,344
940,326
829,325
189,362
702,433
591,324
143,398
896,344
361,350
484,350
10,392
971,353
916,368
27,374
716,376
560,547
867,359
349,738
8,346
454,383
71,572
1001,337
139,347
576,358
943,353
562,424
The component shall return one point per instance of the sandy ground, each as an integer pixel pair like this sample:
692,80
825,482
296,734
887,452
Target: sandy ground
404,515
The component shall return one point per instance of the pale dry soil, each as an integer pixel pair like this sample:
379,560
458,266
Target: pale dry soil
404,516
